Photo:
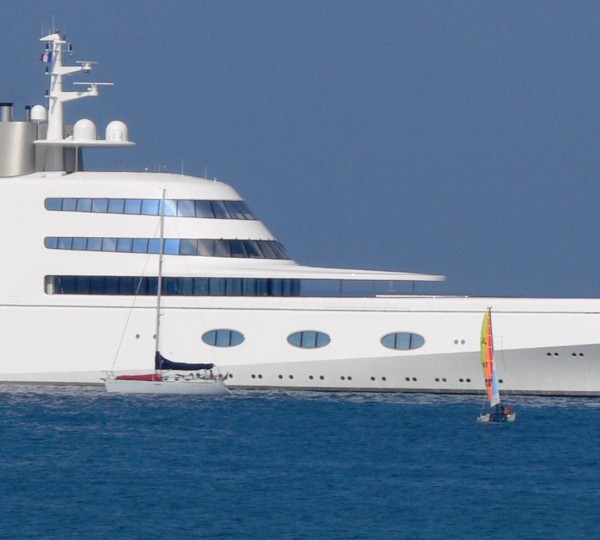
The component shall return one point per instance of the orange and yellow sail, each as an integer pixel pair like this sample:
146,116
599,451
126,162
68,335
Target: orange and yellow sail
487,360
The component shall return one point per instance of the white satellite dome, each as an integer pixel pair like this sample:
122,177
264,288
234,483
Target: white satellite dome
117,131
84,130
39,113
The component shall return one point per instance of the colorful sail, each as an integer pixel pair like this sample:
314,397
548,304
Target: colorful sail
487,360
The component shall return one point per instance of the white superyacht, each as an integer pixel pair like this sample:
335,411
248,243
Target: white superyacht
78,284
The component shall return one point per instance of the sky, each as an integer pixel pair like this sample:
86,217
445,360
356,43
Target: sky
456,138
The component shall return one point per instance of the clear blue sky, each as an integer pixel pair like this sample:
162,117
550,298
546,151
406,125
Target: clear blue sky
456,138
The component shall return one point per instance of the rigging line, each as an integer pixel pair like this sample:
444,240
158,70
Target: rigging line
501,351
135,296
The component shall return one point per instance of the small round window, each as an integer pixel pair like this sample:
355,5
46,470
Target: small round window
223,338
403,341
309,339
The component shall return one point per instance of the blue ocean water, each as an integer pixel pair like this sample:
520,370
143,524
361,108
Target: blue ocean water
79,463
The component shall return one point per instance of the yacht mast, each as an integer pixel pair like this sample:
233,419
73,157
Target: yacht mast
161,251
84,131
55,45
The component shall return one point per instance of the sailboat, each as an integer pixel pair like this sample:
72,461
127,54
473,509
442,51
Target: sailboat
168,377
498,412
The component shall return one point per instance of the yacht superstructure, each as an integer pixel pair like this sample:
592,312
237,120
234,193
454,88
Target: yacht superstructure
78,285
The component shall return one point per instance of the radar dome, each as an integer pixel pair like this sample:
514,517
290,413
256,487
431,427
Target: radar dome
38,113
84,130
117,131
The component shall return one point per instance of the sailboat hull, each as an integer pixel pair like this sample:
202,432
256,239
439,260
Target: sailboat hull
496,418
187,387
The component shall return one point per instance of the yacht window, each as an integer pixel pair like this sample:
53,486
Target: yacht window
276,288
309,339
249,287
152,286
223,338
403,341
65,243
233,287
84,205
100,205
220,210
290,287
237,248
279,251
133,206
82,283
185,287
179,286
109,244
206,248
68,285
172,246
124,245
203,209
244,210
232,210
252,249
53,204
201,286
170,286
222,248
154,246
139,245
188,247
170,208
267,249
69,205
94,244
217,287
151,207
262,287
111,285
79,244
116,206
185,209
127,285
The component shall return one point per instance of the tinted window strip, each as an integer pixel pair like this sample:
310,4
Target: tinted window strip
151,207
171,286
261,249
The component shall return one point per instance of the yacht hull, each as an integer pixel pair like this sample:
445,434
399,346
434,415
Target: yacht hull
543,347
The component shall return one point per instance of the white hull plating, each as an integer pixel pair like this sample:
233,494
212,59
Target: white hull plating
556,338
197,387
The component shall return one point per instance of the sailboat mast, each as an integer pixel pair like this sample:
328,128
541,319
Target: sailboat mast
160,264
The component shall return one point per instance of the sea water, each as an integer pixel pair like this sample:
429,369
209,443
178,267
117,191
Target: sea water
79,463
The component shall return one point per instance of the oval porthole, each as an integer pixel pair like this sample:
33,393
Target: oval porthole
309,339
222,338
402,341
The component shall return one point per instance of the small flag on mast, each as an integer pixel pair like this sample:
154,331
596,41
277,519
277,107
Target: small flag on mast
46,57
